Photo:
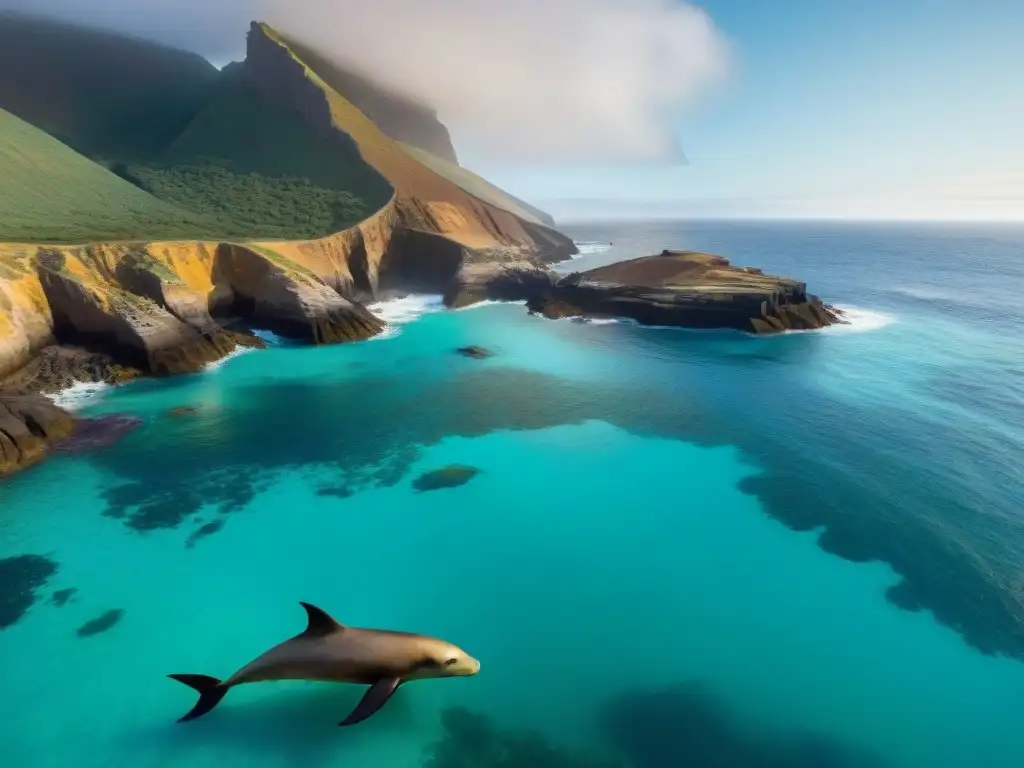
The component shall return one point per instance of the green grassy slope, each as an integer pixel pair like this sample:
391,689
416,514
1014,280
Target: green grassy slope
245,161
50,193
479,186
106,95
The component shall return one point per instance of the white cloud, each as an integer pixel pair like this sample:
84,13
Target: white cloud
522,80
547,80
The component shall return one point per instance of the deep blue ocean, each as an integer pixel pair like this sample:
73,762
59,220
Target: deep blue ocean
682,548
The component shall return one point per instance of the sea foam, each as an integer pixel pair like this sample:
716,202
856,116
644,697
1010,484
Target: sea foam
79,395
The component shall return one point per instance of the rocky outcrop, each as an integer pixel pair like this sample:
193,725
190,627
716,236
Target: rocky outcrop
29,427
690,290
675,288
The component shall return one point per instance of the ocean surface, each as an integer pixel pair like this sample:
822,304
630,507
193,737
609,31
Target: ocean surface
681,549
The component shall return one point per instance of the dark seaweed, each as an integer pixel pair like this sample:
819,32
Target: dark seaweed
101,623
63,596
687,725
21,578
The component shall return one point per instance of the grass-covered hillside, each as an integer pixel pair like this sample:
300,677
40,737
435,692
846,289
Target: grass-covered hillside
261,170
105,95
200,153
50,193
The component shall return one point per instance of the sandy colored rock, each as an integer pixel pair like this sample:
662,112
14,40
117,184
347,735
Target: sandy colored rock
29,427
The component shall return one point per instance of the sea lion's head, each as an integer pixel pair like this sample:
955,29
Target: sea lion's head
442,659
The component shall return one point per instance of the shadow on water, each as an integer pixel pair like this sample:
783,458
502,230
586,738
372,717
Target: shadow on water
684,726
688,725
299,726
880,482
471,740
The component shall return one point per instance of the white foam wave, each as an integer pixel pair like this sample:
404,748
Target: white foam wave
239,350
858,320
268,337
925,293
406,309
79,395
488,303
588,249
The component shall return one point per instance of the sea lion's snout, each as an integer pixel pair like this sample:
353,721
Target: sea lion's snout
474,666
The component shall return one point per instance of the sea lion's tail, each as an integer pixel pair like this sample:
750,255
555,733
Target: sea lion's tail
210,693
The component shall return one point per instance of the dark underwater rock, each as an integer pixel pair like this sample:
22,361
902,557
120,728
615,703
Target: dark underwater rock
101,623
207,529
448,477
689,725
62,597
337,491
99,432
185,410
470,740
475,352
20,578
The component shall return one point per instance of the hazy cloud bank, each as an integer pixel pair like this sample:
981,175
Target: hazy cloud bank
530,80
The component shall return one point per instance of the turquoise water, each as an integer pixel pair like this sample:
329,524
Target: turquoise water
694,549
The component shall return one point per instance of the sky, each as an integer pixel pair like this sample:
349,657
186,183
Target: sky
661,108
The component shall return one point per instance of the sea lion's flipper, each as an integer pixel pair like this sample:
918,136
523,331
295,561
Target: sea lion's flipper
320,622
372,700
210,694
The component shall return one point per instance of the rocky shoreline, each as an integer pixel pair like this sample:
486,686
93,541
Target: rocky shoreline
675,288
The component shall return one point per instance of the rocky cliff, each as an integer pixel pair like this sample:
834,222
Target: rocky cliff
686,289
153,306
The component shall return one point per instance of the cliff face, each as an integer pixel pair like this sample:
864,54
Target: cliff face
424,200
152,306
396,116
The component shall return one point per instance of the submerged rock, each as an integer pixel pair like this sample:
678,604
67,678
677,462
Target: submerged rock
62,597
471,740
208,529
337,491
185,410
101,623
20,578
475,352
99,432
449,477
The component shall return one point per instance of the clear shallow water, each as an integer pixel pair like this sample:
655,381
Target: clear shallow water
625,565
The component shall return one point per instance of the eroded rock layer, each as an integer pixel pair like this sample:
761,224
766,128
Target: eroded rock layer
29,426
675,288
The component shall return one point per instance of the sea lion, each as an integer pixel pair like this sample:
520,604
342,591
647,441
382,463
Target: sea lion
331,652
